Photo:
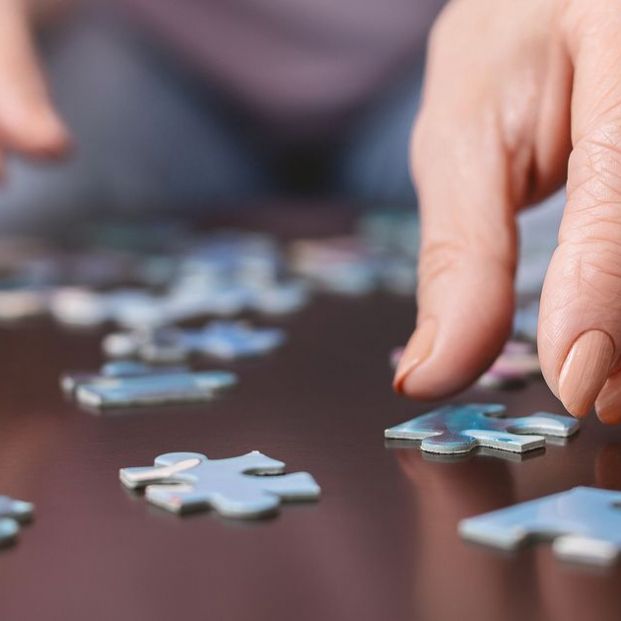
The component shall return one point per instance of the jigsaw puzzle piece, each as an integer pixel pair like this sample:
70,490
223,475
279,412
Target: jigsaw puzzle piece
456,429
12,514
235,487
230,495
154,389
584,524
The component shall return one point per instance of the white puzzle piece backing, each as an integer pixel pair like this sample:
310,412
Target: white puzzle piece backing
455,429
584,524
184,482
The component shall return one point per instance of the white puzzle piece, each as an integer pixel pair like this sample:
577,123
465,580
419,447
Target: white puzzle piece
584,524
12,514
184,482
455,429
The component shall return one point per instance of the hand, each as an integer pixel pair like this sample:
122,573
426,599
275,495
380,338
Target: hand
518,97
28,123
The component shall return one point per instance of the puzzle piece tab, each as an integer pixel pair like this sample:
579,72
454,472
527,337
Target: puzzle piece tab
12,514
184,482
457,429
584,524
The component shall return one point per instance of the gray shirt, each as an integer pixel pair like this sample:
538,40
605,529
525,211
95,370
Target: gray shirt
295,63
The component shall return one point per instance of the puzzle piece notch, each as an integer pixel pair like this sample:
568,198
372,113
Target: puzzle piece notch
584,524
236,487
12,514
456,429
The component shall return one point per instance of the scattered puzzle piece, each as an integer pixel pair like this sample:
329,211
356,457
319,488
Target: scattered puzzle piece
12,514
69,382
517,363
184,482
233,339
153,389
225,340
461,428
584,524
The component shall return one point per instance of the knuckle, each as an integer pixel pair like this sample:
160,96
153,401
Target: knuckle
444,258
595,170
595,267
437,259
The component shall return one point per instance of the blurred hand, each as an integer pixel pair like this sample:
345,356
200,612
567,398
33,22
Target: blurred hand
518,97
28,123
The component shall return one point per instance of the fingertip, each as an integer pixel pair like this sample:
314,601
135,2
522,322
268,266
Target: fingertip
608,403
450,367
417,350
35,133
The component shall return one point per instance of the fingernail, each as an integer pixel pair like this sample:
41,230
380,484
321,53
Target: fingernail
608,410
608,402
416,352
585,371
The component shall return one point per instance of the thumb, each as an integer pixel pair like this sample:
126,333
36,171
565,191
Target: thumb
28,122
580,320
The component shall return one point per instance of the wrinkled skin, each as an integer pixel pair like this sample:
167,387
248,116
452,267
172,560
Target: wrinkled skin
519,97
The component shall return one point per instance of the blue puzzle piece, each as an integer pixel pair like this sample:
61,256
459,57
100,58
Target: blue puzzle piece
183,482
455,429
584,524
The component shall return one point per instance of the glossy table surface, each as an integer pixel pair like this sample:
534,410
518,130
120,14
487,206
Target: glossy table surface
380,544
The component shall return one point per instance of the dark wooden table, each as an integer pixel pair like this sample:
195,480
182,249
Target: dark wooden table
380,544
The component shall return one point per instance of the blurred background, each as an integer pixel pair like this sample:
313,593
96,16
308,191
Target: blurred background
182,107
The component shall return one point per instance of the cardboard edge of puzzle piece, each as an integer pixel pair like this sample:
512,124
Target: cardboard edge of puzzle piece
546,424
585,550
